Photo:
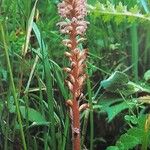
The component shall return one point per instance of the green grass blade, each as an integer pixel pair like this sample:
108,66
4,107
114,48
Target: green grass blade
49,89
135,51
29,29
13,87
145,5
89,91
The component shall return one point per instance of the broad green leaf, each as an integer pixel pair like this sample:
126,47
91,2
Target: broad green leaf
118,82
114,106
114,110
109,102
33,115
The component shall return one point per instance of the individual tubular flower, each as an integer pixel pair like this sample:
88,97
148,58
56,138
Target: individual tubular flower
73,24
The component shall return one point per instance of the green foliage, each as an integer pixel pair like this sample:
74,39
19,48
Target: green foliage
119,82
133,137
3,74
116,81
111,46
118,13
114,106
145,5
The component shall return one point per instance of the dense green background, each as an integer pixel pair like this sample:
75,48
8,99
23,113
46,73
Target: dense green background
118,42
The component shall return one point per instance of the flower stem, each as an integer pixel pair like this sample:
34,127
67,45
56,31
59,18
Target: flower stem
74,11
76,125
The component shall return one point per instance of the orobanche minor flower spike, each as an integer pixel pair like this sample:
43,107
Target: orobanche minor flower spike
72,13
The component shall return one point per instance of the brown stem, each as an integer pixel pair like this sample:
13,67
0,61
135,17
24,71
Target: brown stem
75,106
75,11
76,125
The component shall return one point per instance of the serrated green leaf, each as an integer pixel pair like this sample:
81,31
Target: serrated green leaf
115,81
119,19
107,18
118,82
137,132
100,6
121,8
110,11
110,7
128,141
121,145
131,19
135,10
133,137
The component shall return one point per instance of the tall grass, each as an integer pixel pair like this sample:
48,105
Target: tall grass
49,90
48,77
89,90
13,89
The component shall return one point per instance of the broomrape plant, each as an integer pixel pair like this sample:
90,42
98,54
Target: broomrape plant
72,13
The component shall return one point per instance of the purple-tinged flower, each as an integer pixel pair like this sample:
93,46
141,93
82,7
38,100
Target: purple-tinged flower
75,11
64,9
81,10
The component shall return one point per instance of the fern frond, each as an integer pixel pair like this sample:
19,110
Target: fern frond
119,13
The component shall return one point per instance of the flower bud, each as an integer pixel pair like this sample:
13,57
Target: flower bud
83,107
69,103
67,69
